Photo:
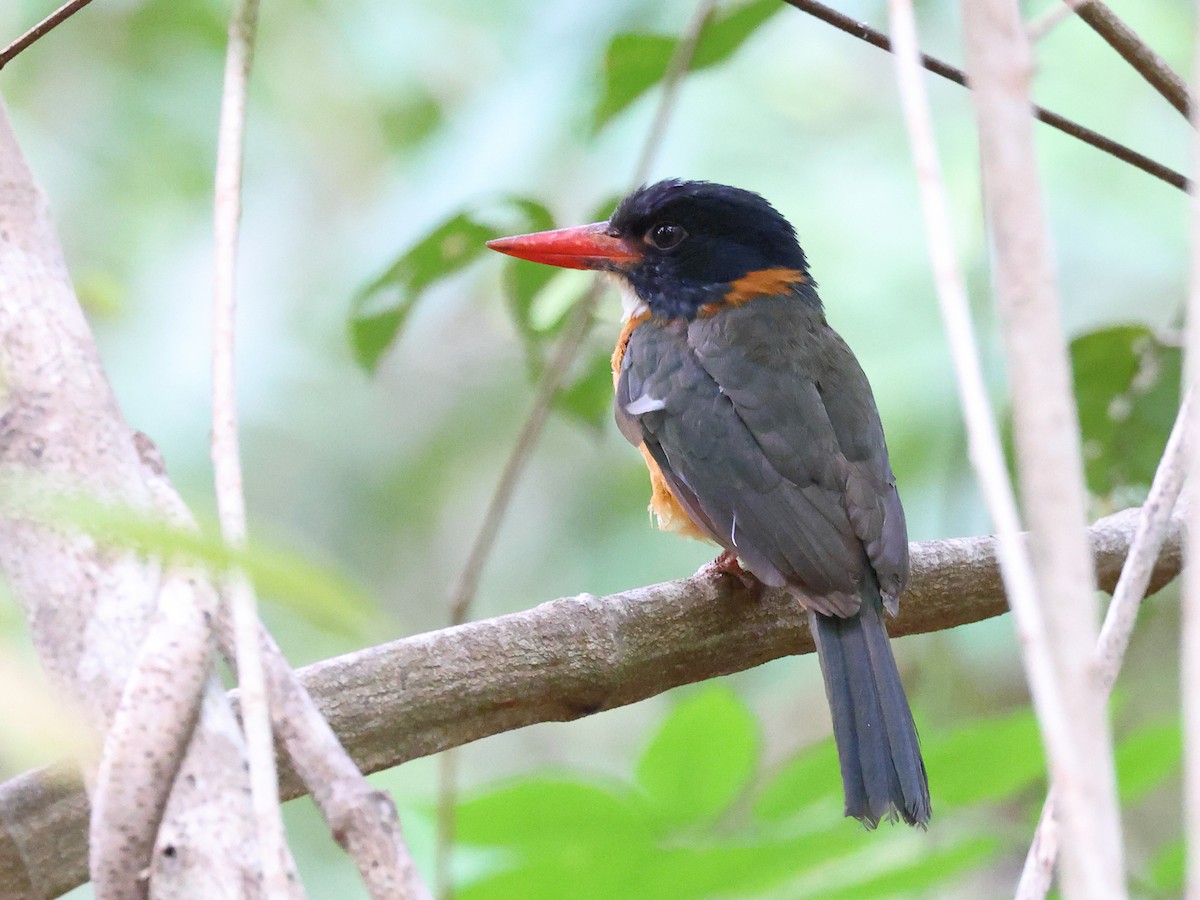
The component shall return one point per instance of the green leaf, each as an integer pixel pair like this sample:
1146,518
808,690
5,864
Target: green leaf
701,757
633,63
810,776
381,308
524,280
1127,389
1166,869
370,336
1146,758
987,760
739,867
932,868
541,814
589,398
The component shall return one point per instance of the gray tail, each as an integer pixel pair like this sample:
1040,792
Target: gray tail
883,775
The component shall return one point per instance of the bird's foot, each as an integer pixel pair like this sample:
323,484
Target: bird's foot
727,565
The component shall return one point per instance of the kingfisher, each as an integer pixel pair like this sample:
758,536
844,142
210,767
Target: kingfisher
761,434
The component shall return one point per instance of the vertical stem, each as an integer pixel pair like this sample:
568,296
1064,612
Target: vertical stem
231,504
1065,683
1189,663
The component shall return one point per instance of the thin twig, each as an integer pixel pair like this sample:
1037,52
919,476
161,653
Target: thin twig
40,30
864,32
278,877
1152,67
1049,20
576,332
984,446
1060,672
1189,663
1153,523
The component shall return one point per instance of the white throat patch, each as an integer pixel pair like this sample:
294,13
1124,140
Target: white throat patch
631,304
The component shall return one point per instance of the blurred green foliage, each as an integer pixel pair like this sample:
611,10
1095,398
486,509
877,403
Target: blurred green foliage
379,135
635,62
700,818
1127,386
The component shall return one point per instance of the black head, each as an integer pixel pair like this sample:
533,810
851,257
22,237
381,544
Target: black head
685,248
698,239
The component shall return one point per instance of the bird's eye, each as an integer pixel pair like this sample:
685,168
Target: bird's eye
666,235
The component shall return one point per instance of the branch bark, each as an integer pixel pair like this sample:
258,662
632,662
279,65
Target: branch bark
561,661
89,608
1152,67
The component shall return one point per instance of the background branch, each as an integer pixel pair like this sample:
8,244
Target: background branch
279,869
1152,67
1038,872
1189,628
875,38
563,660
1059,666
40,30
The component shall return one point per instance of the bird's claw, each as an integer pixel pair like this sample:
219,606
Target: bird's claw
727,565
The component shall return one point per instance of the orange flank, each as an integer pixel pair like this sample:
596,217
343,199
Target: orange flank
761,283
670,515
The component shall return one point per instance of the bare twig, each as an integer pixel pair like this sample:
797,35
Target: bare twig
278,870
1049,20
864,32
1189,664
1153,524
560,661
1061,671
984,440
40,30
1152,67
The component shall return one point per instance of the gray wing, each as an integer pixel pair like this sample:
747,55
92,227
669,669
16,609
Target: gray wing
787,522
802,394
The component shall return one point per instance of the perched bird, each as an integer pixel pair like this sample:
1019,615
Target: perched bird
761,434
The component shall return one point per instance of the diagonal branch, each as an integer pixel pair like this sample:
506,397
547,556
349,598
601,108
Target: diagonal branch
865,32
40,30
563,660
1152,67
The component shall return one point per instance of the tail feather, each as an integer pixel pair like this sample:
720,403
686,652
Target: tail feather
883,775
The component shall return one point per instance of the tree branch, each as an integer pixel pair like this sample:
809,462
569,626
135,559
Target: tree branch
865,32
89,609
564,660
1155,519
1152,67
237,593
1189,628
1060,626
40,30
